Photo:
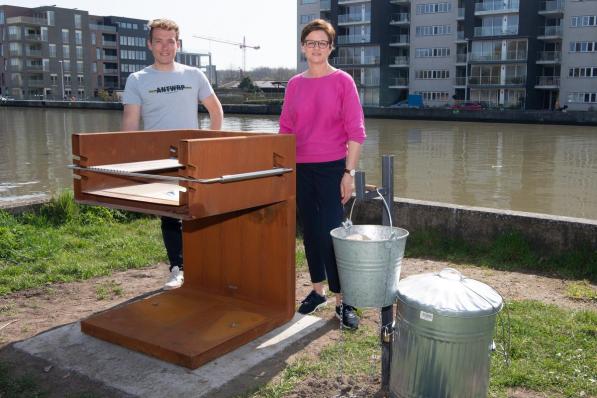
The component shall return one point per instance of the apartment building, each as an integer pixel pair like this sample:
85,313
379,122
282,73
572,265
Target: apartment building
507,53
54,53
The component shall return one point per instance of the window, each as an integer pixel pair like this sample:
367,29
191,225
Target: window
50,17
434,30
98,53
14,32
583,98
80,80
303,2
432,52
432,8
122,40
94,67
432,74
1,17
44,33
305,19
53,79
583,46
583,72
93,39
65,34
66,65
52,50
65,51
78,37
78,21
131,41
135,26
441,96
14,50
67,79
79,66
79,51
584,20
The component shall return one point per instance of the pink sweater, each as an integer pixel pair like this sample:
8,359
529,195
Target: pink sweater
324,113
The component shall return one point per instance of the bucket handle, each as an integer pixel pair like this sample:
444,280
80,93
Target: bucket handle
348,223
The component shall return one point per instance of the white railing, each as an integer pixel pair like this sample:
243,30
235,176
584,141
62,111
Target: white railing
498,6
481,31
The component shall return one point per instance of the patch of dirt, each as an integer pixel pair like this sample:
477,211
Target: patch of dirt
27,313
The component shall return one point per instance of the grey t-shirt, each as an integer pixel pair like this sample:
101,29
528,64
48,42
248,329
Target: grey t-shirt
168,99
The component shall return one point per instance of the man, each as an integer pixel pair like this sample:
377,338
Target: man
165,96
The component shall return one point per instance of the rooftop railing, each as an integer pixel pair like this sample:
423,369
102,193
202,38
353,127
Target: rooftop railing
498,6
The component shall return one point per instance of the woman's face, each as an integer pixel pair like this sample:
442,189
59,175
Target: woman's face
316,47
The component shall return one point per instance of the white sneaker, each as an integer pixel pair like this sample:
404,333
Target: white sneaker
175,280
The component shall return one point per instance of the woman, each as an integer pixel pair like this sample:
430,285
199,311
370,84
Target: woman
322,108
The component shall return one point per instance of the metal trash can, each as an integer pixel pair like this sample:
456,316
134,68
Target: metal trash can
443,336
369,269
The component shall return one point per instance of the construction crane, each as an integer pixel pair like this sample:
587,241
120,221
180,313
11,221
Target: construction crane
243,46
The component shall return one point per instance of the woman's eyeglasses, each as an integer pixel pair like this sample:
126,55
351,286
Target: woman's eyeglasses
316,43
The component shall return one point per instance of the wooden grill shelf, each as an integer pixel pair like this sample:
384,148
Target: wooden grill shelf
238,236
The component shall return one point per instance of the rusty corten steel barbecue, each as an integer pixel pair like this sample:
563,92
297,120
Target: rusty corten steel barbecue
235,193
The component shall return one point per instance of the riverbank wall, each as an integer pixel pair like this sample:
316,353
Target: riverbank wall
476,225
440,114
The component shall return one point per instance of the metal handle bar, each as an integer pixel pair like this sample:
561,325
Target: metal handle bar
223,179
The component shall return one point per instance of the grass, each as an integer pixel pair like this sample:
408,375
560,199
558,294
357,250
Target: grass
22,386
108,289
509,251
581,291
552,352
65,242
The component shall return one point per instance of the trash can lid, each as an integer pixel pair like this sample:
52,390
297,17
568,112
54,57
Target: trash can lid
449,293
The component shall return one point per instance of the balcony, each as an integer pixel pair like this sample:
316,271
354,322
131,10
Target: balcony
496,7
460,13
550,33
370,60
26,21
353,1
110,57
400,41
102,28
549,57
109,43
110,71
484,31
402,18
400,62
368,82
461,58
349,19
484,80
32,37
460,36
353,39
400,2
515,80
325,5
548,82
33,53
552,8
399,82
35,83
34,67
460,81
510,56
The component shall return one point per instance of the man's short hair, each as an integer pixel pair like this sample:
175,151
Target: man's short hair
162,23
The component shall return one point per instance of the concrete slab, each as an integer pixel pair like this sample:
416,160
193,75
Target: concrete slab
139,375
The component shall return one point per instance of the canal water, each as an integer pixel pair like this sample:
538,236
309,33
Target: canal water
536,168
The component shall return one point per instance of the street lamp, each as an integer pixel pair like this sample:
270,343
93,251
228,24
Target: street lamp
62,76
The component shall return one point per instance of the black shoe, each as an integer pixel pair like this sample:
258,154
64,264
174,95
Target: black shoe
312,303
349,317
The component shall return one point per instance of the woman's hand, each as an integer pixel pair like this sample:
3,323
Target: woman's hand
346,187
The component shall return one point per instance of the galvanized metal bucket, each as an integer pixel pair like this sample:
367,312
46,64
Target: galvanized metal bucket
369,269
443,336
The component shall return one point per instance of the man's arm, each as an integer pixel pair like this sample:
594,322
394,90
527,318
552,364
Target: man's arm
216,113
131,117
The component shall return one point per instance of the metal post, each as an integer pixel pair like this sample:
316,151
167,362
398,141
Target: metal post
387,313
62,77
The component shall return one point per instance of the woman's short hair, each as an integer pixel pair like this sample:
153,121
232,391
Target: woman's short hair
319,24
161,23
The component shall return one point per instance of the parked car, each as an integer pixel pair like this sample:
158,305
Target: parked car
3,99
467,106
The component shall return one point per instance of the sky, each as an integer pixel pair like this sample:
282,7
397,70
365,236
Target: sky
270,24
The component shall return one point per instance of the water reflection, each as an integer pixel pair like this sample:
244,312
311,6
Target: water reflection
538,168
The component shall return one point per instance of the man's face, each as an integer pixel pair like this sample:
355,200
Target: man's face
163,46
